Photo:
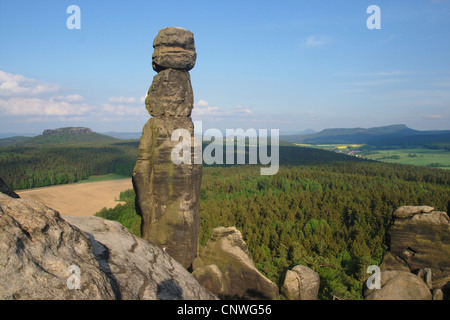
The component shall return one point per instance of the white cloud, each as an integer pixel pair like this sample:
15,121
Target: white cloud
68,98
204,109
124,106
434,116
202,103
122,99
18,85
316,41
123,110
28,97
32,106
28,100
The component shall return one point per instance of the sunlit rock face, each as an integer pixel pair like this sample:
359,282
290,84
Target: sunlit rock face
167,194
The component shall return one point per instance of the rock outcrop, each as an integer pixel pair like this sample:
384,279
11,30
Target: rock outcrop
37,249
77,130
167,194
420,238
225,268
301,283
399,285
41,253
142,271
418,241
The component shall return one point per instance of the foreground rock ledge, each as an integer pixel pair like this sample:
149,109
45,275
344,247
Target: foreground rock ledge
37,247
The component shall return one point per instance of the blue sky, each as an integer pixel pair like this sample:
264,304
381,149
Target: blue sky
288,65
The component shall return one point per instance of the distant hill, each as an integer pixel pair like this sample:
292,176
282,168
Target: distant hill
297,132
123,135
428,139
377,135
12,140
68,135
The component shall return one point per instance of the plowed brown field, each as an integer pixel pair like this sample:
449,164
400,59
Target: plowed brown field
82,199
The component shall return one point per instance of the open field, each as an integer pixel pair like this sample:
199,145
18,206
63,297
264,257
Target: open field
435,158
415,156
331,147
105,177
79,199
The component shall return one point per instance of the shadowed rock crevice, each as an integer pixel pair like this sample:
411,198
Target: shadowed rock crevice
169,290
102,256
6,190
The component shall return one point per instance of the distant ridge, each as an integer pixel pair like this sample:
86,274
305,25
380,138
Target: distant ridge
123,135
64,136
70,130
363,135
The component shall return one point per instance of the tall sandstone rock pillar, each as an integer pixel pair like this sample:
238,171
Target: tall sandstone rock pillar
167,195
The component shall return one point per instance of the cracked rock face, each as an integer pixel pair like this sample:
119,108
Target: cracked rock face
175,49
420,237
167,194
170,88
37,247
141,270
418,242
301,283
399,285
225,268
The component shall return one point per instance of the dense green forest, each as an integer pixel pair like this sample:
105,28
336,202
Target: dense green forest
331,217
24,167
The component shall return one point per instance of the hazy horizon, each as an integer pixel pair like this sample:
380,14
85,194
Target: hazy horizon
288,65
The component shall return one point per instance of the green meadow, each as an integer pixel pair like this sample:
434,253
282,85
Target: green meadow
415,156
433,158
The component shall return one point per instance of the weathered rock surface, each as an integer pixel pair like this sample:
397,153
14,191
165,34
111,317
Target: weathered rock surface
141,271
78,130
167,193
399,285
409,211
421,240
301,283
175,49
419,243
170,94
37,247
225,268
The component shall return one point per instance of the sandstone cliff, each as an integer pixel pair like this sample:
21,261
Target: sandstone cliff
44,256
225,268
168,194
417,264
78,130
